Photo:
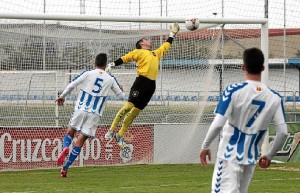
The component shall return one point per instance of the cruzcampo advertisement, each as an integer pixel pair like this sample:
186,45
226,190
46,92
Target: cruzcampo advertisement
290,151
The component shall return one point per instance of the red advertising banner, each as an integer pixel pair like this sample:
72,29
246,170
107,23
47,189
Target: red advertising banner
32,148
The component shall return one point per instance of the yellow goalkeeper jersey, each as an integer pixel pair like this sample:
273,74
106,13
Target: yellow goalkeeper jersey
147,61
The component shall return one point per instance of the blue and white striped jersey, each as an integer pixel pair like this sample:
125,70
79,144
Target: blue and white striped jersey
249,108
95,86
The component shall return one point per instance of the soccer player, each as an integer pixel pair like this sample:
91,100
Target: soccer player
143,88
246,109
95,85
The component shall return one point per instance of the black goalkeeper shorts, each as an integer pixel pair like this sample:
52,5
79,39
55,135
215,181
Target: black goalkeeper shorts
141,92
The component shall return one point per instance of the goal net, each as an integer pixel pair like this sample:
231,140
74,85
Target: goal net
40,57
190,81
27,97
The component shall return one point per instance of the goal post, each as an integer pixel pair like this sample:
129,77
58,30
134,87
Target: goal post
188,87
265,75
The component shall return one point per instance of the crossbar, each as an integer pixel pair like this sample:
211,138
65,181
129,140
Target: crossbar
65,17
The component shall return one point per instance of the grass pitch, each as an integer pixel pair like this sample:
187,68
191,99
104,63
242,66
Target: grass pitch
188,178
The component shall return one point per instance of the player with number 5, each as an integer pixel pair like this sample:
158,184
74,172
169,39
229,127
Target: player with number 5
246,109
92,97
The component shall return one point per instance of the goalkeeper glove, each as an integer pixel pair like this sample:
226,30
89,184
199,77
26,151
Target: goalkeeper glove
109,67
174,29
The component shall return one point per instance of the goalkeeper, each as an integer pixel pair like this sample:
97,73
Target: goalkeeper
143,88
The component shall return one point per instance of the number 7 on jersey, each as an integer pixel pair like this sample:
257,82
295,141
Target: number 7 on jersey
261,105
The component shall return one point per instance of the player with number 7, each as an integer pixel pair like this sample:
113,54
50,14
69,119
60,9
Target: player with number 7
244,113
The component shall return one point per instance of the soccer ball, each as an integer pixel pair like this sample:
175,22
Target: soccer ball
192,23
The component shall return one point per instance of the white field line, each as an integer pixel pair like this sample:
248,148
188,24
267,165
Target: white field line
172,185
277,179
21,192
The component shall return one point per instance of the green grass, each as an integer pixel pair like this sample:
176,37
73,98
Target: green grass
188,178
44,115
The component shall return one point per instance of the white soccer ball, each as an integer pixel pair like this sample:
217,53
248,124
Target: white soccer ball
192,23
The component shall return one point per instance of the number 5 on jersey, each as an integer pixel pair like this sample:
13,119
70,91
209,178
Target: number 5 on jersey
97,83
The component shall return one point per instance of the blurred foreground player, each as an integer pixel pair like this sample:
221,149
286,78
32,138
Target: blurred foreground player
246,109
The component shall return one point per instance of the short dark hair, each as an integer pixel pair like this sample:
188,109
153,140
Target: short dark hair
253,59
138,43
101,60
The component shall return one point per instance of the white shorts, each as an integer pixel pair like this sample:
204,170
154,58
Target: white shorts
85,123
230,177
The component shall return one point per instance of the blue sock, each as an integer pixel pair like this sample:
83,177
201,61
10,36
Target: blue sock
75,152
67,140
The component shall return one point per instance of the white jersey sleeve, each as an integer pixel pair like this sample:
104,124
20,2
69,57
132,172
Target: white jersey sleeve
76,81
281,135
116,87
214,129
281,129
279,115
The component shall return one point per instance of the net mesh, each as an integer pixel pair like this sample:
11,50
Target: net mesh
28,96
189,62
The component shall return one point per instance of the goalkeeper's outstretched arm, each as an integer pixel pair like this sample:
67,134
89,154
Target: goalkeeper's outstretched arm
174,29
163,49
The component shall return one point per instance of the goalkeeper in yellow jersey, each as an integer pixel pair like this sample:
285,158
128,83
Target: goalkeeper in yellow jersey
143,88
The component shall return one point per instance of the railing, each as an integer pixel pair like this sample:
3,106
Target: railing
293,117
167,96
171,103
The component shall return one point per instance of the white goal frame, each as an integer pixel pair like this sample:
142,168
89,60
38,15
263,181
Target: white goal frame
64,17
